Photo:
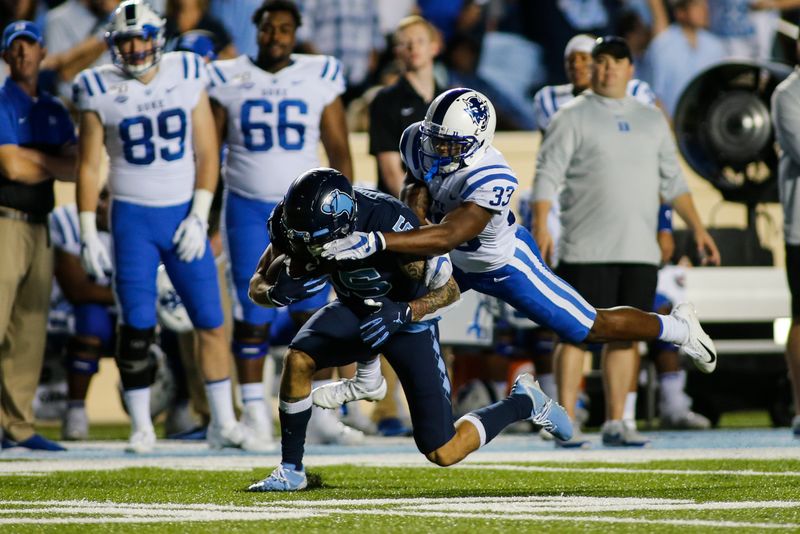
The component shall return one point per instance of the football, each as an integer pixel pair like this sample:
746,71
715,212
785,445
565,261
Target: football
274,268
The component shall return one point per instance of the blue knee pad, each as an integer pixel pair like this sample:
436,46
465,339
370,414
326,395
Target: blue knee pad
250,341
95,320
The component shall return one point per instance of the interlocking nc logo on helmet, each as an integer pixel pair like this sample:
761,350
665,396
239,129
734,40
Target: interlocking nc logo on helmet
479,111
337,203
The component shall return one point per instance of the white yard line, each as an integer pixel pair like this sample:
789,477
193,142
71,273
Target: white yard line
194,456
533,508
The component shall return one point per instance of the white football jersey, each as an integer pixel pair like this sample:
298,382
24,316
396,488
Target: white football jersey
551,98
273,120
489,183
148,128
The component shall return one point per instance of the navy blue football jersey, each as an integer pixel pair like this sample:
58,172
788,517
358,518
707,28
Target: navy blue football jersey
379,275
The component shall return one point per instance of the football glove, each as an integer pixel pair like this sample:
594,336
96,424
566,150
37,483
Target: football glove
287,290
386,319
94,256
438,271
192,234
356,246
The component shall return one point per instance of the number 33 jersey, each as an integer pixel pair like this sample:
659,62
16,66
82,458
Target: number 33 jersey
273,120
489,183
148,127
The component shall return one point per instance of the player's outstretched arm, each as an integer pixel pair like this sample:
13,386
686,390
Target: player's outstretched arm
436,298
459,226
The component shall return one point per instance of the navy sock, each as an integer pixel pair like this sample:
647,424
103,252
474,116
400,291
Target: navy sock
294,418
494,418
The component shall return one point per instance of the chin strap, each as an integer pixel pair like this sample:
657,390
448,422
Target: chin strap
432,171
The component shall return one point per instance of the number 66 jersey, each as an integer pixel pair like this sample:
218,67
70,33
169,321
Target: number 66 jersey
273,120
148,127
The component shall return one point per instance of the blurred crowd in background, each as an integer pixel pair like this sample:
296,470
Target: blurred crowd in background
507,49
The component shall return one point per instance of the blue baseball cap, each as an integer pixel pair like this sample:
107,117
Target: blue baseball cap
21,28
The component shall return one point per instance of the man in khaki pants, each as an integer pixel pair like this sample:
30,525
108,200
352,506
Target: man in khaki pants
37,139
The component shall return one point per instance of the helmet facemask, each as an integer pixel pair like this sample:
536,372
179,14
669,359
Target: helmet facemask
135,19
444,153
457,131
136,63
308,239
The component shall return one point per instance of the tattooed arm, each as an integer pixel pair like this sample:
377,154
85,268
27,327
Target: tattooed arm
418,198
436,298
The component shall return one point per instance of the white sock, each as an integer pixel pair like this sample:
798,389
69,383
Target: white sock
295,407
672,399
252,392
673,330
629,412
547,381
474,421
369,373
220,402
138,403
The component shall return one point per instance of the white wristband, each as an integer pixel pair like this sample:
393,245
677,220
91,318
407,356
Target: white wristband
201,203
88,223
382,239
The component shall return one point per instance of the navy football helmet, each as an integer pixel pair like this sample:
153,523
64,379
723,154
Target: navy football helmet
319,206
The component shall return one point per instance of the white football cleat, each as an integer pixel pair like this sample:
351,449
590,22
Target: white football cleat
75,426
236,435
335,394
699,346
142,442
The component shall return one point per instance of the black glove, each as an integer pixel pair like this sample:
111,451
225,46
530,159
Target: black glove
388,316
287,290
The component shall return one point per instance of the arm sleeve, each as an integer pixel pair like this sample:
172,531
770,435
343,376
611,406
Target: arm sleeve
196,73
333,77
382,126
673,184
559,144
786,118
490,188
64,230
216,81
84,89
540,111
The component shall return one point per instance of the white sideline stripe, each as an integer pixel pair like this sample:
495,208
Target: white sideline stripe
543,469
516,508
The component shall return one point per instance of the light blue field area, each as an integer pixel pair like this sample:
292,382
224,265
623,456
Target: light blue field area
743,480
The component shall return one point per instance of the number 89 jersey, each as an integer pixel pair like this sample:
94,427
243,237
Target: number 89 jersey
148,127
273,120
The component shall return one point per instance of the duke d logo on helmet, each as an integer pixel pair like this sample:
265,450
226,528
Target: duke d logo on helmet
337,203
479,112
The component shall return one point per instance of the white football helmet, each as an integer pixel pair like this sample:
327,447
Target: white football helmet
456,132
135,18
171,312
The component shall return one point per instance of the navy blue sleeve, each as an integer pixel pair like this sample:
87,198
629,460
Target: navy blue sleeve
8,125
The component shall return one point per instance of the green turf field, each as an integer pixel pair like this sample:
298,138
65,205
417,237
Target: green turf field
690,496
